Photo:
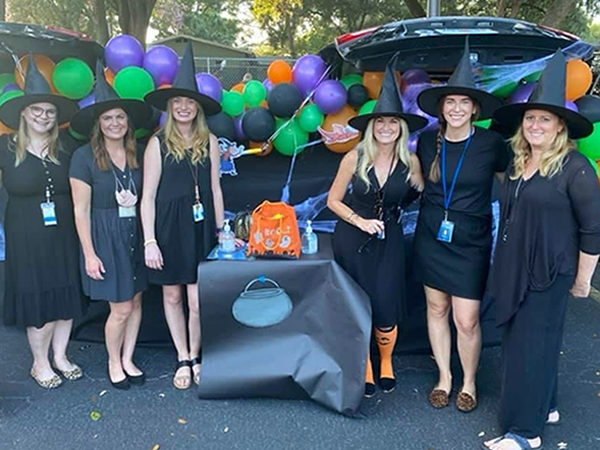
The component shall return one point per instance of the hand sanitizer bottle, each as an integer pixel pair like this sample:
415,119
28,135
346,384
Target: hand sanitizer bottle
310,240
227,239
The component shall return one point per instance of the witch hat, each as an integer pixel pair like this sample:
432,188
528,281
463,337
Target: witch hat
462,82
549,95
389,103
184,85
106,98
37,90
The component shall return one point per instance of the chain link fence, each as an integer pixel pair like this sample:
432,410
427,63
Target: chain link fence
231,71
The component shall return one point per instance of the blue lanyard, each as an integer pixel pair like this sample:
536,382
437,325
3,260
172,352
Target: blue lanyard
448,195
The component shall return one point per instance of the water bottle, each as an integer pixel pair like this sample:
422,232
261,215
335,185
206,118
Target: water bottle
227,239
310,240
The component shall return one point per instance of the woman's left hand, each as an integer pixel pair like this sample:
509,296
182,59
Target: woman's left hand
581,289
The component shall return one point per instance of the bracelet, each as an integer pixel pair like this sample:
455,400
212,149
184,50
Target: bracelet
350,217
150,241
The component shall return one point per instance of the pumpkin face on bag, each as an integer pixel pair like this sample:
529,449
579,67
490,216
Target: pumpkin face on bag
274,232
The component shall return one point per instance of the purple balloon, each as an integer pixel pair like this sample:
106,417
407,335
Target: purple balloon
413,76
268,84
307,72
411,92
11,87
571,105
162,120
239,131
209,85
522,93
123,51
330,96
412,143
162,63
87,101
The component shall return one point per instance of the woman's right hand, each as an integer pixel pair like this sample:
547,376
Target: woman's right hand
153,256
94,268
369,226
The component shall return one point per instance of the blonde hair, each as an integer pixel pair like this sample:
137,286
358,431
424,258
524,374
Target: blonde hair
101,156
175,144
367,151
552,160
22,140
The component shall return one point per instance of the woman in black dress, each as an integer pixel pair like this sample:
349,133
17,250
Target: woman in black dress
548,243
42,291
106,178
368,242
182,208
453,239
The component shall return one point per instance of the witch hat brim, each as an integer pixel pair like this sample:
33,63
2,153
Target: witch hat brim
37,90
139,113
548,95
462,82
184,85
389,103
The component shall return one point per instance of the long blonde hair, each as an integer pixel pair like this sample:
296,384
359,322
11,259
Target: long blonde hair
367,151
176,146
101,156
552,160
22,141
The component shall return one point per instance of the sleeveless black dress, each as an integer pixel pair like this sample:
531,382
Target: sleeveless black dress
377,265
183,242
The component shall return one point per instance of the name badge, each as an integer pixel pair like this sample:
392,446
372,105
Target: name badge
198,210
381,235
445,232
49,214
127,211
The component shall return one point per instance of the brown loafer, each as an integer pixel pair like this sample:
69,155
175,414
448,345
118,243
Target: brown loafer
438,398
465,402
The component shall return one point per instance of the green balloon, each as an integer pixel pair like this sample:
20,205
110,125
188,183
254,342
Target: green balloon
589,146
73,78
533,77
289,138
133,83
506,90
6,79
311,118
351,79
254,93
9,96
232,103
483,123
367,108
76,135
141,133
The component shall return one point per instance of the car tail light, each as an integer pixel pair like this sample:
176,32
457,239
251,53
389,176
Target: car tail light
348,37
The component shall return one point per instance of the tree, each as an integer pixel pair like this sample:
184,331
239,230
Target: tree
282,20
2,10
134,16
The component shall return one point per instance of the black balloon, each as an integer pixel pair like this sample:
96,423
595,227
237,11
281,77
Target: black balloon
357,95
258,124
221,125
284,99
589,107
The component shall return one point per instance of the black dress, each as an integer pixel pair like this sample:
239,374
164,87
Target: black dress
459,268
183,242
42,262
117,240
377,265
544,224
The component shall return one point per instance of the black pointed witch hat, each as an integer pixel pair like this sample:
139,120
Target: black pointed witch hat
549,95
37,90
184,85
106,98
462,82
389,103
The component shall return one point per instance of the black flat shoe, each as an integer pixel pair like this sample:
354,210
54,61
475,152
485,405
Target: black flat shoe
369,390
122,385
137,380
387,385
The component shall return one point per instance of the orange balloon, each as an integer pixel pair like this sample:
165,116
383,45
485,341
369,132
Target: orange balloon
279,72
5,130
44,64
579,79
373,81
265,152
109,76
336,123
264,104
239,88
64,126
165,86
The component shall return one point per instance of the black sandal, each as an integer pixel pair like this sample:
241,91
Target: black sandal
196,362
180,364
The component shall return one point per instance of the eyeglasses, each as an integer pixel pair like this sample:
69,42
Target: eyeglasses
36,111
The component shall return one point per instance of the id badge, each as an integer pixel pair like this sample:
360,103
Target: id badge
49,214
198,211
126,212
445,232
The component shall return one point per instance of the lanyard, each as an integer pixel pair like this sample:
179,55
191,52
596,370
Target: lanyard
195,177
448,195
119,186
